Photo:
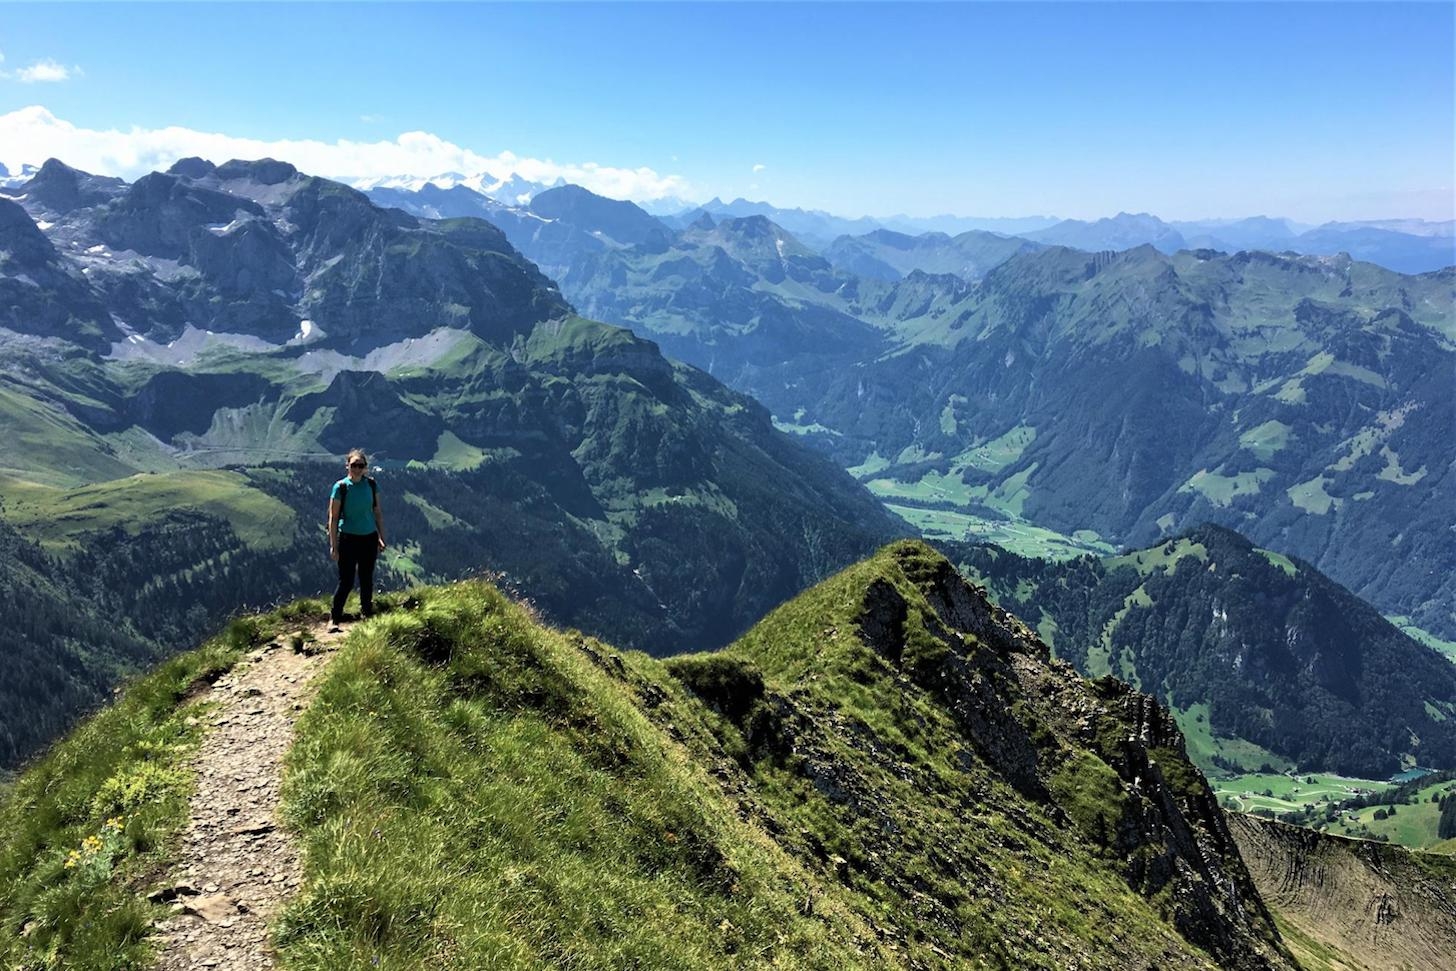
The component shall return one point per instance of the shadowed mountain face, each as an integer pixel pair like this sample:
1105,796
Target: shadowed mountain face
246,314
1271,650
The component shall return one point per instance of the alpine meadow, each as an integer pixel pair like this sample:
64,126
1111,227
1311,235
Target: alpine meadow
728,486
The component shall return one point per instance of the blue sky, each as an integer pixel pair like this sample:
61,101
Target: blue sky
1310,110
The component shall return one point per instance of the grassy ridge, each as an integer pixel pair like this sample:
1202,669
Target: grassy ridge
1024,882
472,791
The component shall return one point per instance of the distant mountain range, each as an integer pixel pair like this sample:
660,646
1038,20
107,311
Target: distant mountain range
512,190
818,228
226,314
1302,400
1405,245
887,255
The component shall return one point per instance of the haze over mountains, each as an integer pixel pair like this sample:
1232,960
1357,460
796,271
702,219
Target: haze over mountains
1404,245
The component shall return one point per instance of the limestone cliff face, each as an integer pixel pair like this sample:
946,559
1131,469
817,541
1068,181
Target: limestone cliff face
1353,903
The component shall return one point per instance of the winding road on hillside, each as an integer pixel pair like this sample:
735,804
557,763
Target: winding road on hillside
237,865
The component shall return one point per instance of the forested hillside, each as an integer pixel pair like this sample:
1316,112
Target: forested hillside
1262,645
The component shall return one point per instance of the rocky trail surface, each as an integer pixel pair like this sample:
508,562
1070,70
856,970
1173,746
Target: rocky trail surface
236,864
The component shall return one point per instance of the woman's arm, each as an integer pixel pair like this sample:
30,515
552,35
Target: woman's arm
333,529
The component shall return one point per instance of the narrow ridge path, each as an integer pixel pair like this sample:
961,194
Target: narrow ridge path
236,865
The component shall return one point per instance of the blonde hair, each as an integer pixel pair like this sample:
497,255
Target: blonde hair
356,451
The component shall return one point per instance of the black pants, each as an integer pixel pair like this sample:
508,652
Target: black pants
356,554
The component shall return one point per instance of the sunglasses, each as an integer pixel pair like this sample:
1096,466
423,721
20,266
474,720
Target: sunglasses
358,465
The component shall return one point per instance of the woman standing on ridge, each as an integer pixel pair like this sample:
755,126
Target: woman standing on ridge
356,534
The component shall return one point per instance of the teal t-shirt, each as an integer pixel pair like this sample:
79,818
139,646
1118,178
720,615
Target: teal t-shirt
356,514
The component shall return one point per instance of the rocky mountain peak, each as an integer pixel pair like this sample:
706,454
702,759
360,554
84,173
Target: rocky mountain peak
58,189
192,168
265,171
20,239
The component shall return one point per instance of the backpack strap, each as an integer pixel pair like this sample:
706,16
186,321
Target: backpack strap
344,491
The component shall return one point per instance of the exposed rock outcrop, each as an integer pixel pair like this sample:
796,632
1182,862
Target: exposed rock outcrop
1371,905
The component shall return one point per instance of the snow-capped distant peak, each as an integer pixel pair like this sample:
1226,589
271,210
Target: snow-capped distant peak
414,183
513,190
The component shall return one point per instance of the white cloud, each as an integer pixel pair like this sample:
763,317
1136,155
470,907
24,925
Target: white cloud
759,168
33,134
371,119
46,71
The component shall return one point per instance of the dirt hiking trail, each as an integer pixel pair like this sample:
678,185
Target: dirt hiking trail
236,865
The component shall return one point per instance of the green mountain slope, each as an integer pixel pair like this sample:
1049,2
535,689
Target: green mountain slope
887,771
1305,403
61,647
263,321
1278,659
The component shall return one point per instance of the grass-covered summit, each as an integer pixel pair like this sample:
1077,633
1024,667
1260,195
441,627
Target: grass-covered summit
887,771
